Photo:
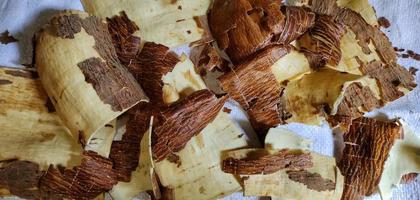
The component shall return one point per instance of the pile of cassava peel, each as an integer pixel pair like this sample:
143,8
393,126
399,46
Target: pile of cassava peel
112,112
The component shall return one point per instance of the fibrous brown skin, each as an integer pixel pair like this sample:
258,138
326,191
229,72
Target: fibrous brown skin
150,65
387,72
368,143
108,83
126,44
246,26
125,153
20,178
112,82
297,22
313,181
390,77
356,96
321,44
183,120
268,164
93,177
255,88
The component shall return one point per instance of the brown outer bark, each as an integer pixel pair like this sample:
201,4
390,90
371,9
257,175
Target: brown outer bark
93,177
368,143
321,44
112,82
20,178
183,120
268,164
127,46
313,181
255,88
297,22
149,66
390,77
244,27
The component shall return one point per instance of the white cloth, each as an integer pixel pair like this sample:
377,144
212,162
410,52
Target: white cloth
22,18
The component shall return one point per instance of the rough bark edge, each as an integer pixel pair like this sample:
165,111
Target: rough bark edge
268,164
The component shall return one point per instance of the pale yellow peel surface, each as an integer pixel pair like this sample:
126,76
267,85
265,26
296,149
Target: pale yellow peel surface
291,66
28,131
160,21
181,81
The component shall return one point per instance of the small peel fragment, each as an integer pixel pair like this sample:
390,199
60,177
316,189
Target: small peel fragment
368,144
313,181
291,184
6,38
163,22
267,164
403,159
279,185
206,57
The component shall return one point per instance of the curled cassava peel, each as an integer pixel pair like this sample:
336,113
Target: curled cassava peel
170,23
82,75
29,131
